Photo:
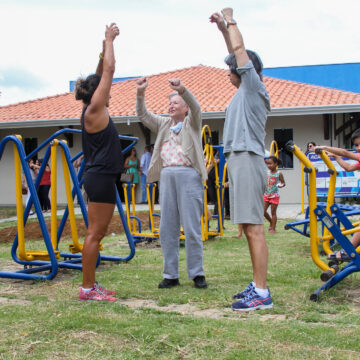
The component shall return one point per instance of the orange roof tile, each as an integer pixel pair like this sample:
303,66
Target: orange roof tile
210,85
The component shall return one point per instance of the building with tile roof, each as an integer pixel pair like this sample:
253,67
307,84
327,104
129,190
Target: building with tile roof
300,111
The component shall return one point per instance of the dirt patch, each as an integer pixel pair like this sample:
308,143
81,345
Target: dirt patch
33,231
354,294
7,301
191,310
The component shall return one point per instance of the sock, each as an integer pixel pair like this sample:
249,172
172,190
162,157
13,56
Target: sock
86,290
262,292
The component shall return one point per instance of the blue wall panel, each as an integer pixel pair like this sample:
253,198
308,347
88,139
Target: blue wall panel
338,76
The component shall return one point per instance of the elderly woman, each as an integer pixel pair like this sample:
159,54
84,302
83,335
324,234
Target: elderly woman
244,148
178,162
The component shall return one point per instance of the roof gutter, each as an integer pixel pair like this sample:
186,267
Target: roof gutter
58,122
281,111
297,110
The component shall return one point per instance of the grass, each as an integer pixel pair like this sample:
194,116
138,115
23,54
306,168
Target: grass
44,320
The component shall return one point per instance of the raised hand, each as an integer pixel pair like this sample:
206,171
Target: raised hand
227,13
219,20
177,85
111,32
142,84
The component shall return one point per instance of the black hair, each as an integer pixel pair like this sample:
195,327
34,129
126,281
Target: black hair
230,60
148,147
85,88
276,160
310,142
355,134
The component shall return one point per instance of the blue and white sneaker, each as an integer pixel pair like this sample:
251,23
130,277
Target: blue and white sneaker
253,301
243,293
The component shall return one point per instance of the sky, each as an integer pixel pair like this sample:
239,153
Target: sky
46,43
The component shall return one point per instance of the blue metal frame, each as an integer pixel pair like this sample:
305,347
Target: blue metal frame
70,260
335,230
347,211
37,266
221,166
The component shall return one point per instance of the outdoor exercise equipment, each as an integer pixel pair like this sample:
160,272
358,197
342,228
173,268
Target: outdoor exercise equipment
340,236
25,257
49,259
219,167
313,234
329,190
327,214
133,221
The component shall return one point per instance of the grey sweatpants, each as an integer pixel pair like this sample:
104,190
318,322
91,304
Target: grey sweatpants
181,201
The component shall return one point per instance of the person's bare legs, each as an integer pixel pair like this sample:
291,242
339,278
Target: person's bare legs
355,241
240,230
258,252
100,215
267,216
273,217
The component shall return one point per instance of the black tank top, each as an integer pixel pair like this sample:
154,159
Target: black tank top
102,150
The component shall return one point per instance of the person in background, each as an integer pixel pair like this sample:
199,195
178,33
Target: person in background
34,170
310,146
44,188
144,167
157,183
275,181
132,166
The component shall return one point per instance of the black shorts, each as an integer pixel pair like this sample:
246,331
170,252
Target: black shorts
101,188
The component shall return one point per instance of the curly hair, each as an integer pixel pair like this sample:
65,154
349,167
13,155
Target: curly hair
85,88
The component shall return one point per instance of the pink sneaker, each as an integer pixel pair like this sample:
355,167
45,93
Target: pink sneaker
94,294
104,290
272,231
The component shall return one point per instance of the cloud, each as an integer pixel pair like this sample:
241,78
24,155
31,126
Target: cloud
21,78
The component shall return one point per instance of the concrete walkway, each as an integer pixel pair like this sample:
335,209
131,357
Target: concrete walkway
285,211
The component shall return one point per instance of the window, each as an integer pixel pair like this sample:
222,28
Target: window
30,144
282,136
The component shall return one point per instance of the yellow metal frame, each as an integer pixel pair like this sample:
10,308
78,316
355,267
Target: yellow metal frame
274,149
330,198
132,224
23,254
210,159
314,239
302,188
27,255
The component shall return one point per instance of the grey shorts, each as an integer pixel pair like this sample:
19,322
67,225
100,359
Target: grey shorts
247,178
